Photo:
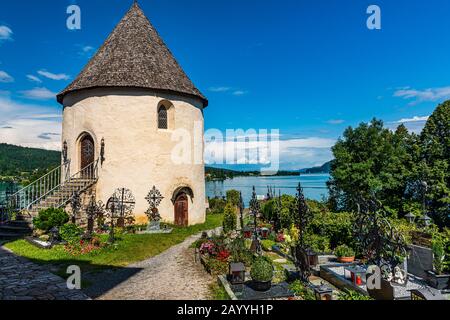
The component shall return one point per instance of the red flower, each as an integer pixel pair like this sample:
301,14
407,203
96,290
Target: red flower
223,255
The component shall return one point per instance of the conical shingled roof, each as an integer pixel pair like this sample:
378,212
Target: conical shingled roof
134,55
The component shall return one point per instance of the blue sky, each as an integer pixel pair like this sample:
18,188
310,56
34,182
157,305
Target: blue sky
309,68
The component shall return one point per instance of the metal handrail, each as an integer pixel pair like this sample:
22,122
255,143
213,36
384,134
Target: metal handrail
49,184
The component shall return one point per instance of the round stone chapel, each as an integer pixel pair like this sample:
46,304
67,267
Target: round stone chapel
118,120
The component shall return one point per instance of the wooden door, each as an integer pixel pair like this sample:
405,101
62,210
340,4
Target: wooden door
182,210
87,152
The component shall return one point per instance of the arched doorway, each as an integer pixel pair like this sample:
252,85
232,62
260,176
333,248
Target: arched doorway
87,151
181,210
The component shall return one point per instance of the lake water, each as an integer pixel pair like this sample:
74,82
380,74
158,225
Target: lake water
6,189
314,186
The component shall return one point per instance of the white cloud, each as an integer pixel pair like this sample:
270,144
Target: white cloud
414,124
239,93
33,78
5,33
38,94
5,78
224,89
219,89
413,119
335,121
293,153
29,125
53,76
431,94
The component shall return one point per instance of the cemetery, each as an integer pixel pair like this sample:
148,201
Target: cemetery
373,256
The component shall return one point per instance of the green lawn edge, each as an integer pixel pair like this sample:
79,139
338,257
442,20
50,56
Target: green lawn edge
129,249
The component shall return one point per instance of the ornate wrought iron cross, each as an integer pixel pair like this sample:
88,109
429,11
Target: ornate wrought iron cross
154,199
241,210
123,203
303,216
254,210
377,239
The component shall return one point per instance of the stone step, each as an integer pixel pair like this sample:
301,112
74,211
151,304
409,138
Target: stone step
8,228
20,223
10,236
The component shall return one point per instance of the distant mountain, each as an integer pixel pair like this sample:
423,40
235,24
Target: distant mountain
223,174
326,168
19,162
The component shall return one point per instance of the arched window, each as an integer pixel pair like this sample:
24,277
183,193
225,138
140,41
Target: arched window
163,118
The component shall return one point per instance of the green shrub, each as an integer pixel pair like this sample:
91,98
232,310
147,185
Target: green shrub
215,266
317,243
262,269
230,218
267,245
344,251
301,290
269,210
50,218
71,233
337,227
239,251
352,295
233,197
438,246
217,205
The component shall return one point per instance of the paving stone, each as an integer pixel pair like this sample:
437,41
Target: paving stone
23,280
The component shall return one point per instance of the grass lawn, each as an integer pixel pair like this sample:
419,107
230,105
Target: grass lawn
128,249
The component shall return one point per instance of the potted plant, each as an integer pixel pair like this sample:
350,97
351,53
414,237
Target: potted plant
345,254
437,278
262,274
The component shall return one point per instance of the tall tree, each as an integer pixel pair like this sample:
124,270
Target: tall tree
435,141
371,160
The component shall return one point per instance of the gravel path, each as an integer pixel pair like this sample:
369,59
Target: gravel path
172,275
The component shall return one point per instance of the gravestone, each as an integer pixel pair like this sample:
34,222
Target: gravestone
420,261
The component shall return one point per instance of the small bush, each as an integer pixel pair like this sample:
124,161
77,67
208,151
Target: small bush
71,233
262,270
229,219
233,197
50,218
239,251
317,243
352,295
344,251
267,245
301,290
217,205
438,247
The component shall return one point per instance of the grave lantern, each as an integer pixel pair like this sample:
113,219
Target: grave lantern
265,233
323,293
357,275
410,217
236,273
425,220
313,258
54,235
248,233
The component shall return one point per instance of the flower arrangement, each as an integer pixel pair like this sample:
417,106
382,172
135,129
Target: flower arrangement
209,248
280,238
